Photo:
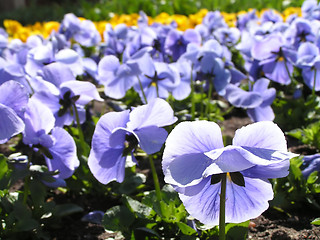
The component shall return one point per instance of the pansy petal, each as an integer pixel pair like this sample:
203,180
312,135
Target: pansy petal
193,137
157,112
186,170
240,98
105,162
38,119
151,138
246,157
56,73
10,123
261,113
261,85
86,90
264,134
105,127
245,203
242,203
14,95
110,167
107,64
273,170
64,153
265,48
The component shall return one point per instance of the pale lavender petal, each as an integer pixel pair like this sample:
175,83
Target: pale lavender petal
111,166
261,113
157,112
151,138
86,90
277,169
71,59
190,35
108,64
105,162
266,47
49,99
245,203
279,72
264,134
64,154
10,123
241,98
38,120
242,203
186,170
191,137
261,85
57,73
14,95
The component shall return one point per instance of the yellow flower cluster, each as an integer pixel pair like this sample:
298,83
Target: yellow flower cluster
16,30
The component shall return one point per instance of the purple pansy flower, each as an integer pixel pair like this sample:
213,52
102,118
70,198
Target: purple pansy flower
257,101
117,134
310,164
309,61
194,156
157,79
59,90
13,101
56,143
300,31
118,78
176,42
275,58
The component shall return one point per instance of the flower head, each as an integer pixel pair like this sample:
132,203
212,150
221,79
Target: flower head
194,157
117,134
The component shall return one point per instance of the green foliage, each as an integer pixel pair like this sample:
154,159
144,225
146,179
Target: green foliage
147,218
316,221
295,113
294,191
103,9
23,213
309,135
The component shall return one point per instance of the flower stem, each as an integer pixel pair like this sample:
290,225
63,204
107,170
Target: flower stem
314,83
222,216
143,94
193,102
155,179
81,136
209,99
27,181
288,72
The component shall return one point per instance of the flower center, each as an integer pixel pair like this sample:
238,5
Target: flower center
235,177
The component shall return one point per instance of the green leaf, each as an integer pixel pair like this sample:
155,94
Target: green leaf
3,166
316,221
4,172
148,230
313,177
66,209
118,218
130,184
142,210
26,224
38,192
185,229
237,231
